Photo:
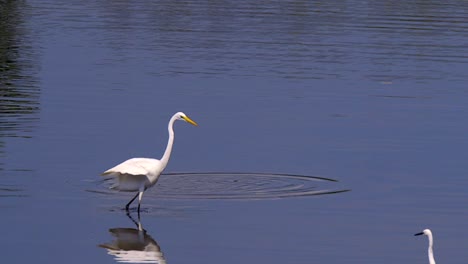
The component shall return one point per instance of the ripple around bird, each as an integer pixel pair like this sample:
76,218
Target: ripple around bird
234,186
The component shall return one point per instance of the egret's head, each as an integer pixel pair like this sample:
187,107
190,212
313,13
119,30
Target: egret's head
426,232
182,116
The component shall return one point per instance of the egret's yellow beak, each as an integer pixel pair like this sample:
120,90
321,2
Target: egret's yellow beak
186,118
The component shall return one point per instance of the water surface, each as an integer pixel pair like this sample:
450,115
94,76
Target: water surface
370,93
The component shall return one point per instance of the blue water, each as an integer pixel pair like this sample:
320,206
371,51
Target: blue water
370,93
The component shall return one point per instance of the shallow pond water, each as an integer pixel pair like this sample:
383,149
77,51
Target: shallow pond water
370,94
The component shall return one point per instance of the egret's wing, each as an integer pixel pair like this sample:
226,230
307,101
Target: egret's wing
135,166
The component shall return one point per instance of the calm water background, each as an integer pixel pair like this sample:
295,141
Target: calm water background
371,93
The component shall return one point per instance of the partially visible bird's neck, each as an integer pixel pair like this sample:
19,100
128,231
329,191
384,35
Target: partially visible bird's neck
430,252
170,142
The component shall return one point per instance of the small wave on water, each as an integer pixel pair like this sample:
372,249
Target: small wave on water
11,191
233,185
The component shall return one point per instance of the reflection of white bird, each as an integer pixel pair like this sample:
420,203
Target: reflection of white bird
428,233
139,174
134,246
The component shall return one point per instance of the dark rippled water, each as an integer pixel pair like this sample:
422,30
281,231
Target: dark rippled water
370,93
231,185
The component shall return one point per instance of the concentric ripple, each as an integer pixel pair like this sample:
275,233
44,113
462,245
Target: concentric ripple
234,185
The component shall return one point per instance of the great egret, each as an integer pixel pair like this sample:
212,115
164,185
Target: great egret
139,174
428,233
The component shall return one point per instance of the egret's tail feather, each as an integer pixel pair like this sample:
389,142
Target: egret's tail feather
109,173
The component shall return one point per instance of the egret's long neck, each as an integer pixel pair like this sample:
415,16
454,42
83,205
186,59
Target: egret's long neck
170,141
430,253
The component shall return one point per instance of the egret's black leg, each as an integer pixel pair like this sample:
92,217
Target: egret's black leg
138,211
133,199
133,220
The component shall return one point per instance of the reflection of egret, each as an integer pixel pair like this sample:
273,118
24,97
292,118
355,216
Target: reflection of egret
428,233
134,245
139,174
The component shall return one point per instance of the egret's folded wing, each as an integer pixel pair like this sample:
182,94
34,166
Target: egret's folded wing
135,166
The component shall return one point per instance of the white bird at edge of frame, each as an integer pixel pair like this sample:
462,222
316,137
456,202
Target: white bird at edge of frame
430,253
139,174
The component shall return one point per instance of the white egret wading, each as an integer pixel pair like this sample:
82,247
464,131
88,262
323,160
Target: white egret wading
428,233
139,174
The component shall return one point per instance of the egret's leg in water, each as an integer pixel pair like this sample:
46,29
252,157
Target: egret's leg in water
133,199
140,195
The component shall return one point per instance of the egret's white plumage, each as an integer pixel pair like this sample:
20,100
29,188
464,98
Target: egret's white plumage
139,174
430,252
